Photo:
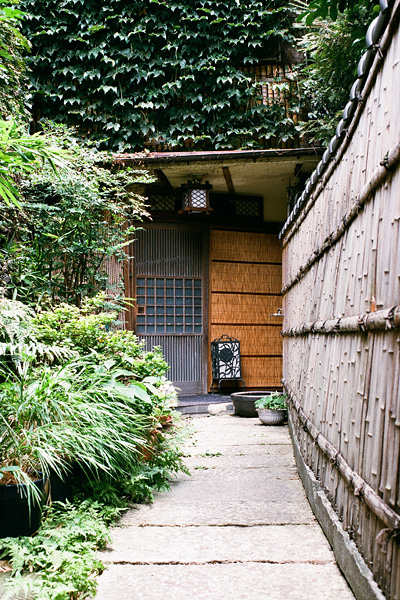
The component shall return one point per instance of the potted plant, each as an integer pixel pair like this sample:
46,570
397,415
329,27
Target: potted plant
244,402
22,498
51,418
26,456
272,409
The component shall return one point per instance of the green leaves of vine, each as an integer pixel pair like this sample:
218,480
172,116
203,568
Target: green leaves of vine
130,73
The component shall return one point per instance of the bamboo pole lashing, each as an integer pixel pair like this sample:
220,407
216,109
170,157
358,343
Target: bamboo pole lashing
380,320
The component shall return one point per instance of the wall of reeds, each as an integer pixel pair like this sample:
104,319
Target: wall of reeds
341,273
245,283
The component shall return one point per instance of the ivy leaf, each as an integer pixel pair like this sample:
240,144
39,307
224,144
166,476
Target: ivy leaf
124,60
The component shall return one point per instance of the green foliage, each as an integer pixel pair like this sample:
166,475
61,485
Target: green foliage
13,82
90,331
69,226
329,9
15,322
333,49
274,401
100,408
129,73
21,153
50,418
18,341
152,474
88,414
61,557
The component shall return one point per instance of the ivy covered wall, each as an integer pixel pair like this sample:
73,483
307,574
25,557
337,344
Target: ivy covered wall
168,70
12,70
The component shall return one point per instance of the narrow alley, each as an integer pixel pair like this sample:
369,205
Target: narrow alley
239,527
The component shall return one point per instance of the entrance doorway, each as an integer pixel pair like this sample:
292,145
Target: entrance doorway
170,291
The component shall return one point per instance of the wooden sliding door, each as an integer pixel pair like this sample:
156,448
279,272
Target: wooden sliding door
169,295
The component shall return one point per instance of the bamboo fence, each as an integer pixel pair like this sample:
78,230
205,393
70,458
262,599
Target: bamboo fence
341,274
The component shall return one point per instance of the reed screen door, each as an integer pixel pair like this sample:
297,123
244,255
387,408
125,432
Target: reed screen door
169,300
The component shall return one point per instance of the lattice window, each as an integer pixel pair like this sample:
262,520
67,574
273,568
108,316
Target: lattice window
248,207
222,204
169,305
163,202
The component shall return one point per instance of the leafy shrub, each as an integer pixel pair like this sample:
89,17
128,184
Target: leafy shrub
108,409
18,341
70,225
73,327
15,322
333,48
88,331
50,418
61,557
274,401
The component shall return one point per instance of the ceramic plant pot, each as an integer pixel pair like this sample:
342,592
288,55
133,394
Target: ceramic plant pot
16,518
60,488
243,402
268,416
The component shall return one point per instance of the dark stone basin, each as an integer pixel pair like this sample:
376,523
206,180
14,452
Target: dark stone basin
243,402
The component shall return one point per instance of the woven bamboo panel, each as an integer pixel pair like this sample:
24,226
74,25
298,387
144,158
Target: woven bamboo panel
245,246
246,315
237,308
262,372
253,340
361,266
230,277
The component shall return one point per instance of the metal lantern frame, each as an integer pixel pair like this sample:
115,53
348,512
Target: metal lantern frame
225,361
196,196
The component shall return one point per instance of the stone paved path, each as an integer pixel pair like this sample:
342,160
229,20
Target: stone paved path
240,528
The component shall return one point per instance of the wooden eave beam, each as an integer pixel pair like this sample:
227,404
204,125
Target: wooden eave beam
228,180
163,178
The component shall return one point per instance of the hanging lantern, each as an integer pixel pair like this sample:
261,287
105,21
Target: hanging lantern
196,196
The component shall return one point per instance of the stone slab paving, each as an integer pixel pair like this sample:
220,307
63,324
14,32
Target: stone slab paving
235,581
239,528
220,513
201,545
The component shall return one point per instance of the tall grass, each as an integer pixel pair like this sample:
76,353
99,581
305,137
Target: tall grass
52,418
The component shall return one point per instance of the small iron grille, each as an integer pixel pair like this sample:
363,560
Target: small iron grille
225,360
163,202
248,207
225,354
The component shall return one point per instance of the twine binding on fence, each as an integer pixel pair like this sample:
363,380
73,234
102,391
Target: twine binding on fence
386,319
